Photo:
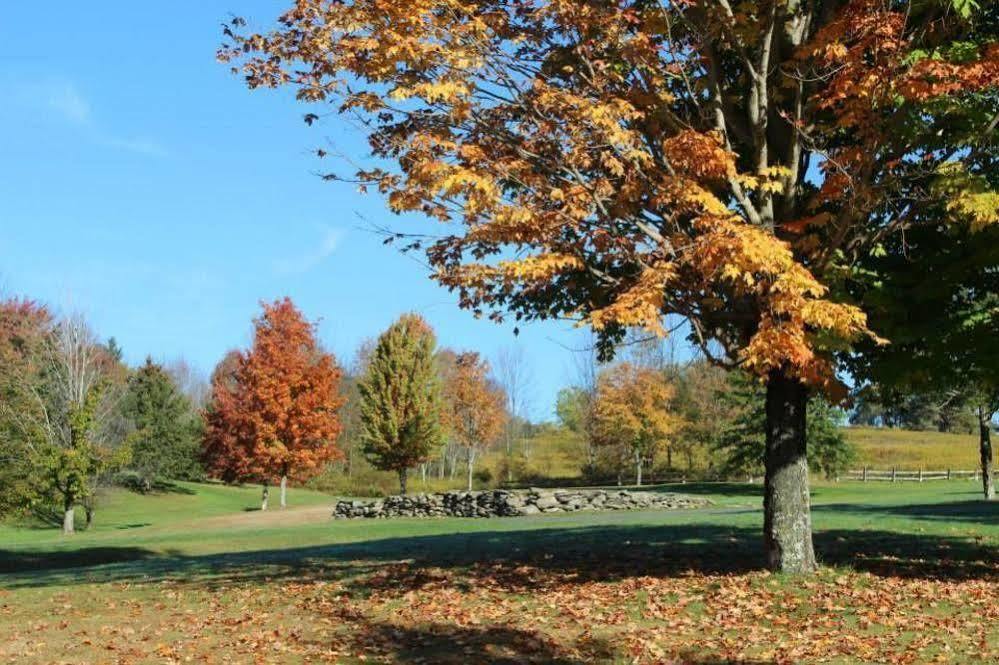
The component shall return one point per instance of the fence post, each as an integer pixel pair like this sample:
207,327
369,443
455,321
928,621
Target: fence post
920,474
893,474
865,474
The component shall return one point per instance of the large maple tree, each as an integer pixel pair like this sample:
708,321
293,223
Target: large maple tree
615,162
274,409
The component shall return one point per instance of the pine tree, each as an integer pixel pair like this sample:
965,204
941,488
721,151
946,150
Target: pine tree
165,438
742,444
401,398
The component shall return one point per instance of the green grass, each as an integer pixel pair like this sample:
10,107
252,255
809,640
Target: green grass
121,514
209,519
883,448
194,573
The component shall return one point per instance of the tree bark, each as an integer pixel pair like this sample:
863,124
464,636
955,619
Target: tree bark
89,511
787,522
471,466
402,481
284,491
638,470
68,516
985,449
264,496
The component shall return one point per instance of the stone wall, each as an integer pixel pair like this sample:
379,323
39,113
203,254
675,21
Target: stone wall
508,503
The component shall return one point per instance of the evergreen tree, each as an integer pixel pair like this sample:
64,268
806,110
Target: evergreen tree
401,398
742,444
165,437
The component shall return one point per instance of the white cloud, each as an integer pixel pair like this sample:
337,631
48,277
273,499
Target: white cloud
138,145
63,98
297,265
64,101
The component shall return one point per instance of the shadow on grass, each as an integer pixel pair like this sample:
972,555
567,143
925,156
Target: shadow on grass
27,560
982,512
448,643
596,553
496,645
169,487
724,489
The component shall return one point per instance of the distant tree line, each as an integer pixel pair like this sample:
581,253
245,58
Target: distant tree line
650,411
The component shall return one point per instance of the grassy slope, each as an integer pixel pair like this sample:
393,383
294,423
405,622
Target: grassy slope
882,448
194,575
123,516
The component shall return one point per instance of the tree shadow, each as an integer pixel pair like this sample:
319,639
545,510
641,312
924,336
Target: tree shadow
457,645
981,512
709,488
451,644
170,487
20,561
519,559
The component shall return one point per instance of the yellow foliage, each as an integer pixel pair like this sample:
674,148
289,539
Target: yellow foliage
632,409
969,197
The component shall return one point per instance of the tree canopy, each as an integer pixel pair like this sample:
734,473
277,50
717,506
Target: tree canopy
400,394
274,410
166,430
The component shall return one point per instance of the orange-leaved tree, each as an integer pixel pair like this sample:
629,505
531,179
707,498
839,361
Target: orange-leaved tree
476,407
632,412
274,408
617,162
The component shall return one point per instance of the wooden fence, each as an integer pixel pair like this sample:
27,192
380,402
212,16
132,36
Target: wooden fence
896,475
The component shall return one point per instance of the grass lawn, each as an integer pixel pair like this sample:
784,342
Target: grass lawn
910,574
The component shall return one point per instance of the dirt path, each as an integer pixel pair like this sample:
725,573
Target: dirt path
274,517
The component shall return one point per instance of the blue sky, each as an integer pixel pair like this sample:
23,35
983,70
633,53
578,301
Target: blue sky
142,184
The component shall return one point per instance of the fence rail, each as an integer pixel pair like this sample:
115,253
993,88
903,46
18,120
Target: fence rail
897,475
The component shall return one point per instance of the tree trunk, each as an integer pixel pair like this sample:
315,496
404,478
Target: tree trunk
471,465
509,454
263,498
787,522
669,457
68,516
284,491
985,448
89,511
638,470
403,473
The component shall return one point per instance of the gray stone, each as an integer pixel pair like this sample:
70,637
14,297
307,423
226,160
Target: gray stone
496,503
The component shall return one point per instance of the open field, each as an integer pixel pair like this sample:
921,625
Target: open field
883,448
911,574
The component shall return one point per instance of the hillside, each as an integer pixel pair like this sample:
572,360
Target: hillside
883,448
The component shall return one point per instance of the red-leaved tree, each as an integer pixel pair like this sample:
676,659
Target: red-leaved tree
274,409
